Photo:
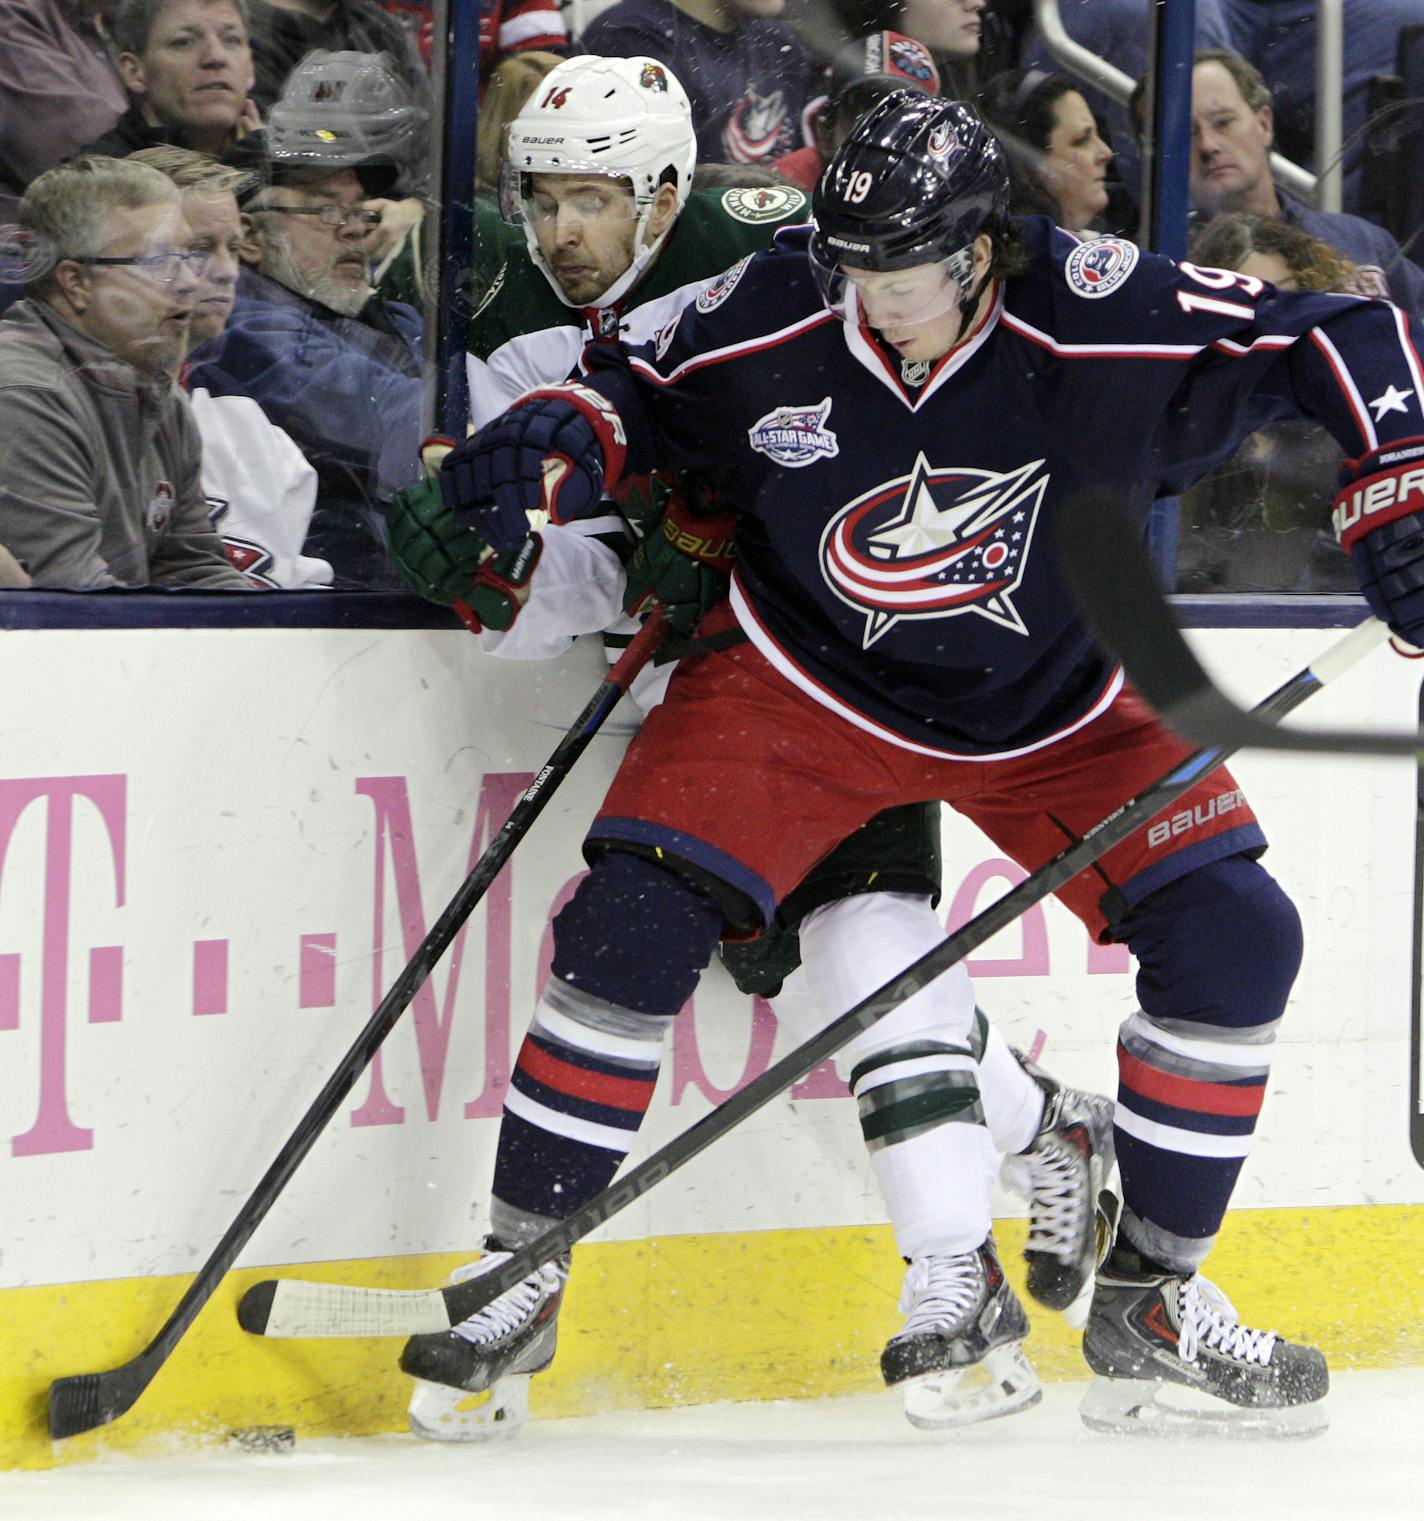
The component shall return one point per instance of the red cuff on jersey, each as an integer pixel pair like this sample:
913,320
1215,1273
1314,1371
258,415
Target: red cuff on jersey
602,417
1385,484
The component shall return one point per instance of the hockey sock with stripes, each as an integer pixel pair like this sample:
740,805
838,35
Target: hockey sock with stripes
1218,951
628,949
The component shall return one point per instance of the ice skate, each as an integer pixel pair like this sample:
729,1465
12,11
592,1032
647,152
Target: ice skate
1171,1355
960,1357
472,1381
1062,1175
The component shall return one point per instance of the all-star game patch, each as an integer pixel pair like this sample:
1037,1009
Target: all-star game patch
762,203
1098,267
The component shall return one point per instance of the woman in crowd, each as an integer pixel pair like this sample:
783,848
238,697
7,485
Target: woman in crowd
1058,161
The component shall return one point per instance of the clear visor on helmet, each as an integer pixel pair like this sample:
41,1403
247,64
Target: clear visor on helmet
896,298
573,192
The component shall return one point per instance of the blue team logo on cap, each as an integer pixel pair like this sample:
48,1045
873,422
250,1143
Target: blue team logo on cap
795,436
1098,267
935,544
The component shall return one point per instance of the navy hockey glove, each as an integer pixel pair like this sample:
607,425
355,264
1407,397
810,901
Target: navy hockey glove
1379,518
554,450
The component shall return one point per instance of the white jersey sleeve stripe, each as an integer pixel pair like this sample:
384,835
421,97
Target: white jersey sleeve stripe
1346,382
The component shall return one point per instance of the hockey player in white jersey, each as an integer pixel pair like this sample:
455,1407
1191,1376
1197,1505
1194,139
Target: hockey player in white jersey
941,1097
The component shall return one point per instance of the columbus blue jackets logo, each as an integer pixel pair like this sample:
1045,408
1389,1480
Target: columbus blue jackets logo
795,435
935,544
711,296
1098,267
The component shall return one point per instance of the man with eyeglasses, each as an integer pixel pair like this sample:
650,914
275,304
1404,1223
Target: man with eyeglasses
327,359
99,453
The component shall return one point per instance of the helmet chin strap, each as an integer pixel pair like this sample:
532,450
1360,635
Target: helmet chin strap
624,283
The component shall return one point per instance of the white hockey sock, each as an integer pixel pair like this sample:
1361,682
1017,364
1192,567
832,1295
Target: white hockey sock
915,1073
1013,1102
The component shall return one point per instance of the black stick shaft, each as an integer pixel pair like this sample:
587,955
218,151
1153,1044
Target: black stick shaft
83,1401
465,1299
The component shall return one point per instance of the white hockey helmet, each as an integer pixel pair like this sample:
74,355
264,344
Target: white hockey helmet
627,118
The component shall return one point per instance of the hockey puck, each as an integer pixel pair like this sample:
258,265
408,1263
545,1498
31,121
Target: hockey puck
263,1438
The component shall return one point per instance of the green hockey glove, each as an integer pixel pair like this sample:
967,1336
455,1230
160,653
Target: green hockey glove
683,564
452,565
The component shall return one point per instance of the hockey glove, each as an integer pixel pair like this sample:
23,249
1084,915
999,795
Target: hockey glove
453,566
552,451
1379,518
685,561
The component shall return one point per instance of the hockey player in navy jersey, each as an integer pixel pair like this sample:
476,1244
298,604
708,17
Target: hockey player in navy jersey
899,401
614,243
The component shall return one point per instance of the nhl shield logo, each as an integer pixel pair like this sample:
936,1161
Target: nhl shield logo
795,436
935,544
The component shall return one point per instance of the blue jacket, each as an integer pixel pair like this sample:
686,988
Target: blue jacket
347,389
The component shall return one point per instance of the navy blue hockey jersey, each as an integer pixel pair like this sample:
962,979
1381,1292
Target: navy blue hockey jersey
895,556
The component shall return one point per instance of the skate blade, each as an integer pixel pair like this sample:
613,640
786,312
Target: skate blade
439,1413
1154,1407
1002,1384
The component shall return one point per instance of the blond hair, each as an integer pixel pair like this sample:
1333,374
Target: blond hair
506,95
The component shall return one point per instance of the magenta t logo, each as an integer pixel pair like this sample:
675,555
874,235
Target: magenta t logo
53,1130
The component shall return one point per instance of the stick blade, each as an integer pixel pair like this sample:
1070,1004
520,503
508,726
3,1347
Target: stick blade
292,1307
1115,582
84,1401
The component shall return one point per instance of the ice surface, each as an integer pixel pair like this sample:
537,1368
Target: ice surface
854,1459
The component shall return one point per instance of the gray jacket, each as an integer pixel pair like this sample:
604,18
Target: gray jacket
99,465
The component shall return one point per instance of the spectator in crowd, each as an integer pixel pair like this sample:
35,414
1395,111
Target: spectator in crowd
509,28
379,112
1058,161
859,75
1259,522
329,361
285,31
748,75
187,65
1116,30
58,88
99,454
953,31
1233,127
259,486
506,91
1279,38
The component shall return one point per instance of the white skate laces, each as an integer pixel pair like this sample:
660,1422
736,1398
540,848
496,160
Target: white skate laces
1056,1200
940,1291
514,1307
1209,1319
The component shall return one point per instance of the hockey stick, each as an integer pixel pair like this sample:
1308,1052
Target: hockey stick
292,1307
1116,584
86,1400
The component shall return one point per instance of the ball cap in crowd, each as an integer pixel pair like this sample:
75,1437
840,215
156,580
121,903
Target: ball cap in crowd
884,61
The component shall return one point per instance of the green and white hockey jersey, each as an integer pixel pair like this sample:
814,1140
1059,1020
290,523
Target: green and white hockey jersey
522,335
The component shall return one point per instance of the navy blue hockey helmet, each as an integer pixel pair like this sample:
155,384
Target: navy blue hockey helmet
917,180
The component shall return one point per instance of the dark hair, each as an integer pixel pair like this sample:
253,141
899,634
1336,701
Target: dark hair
1021,107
